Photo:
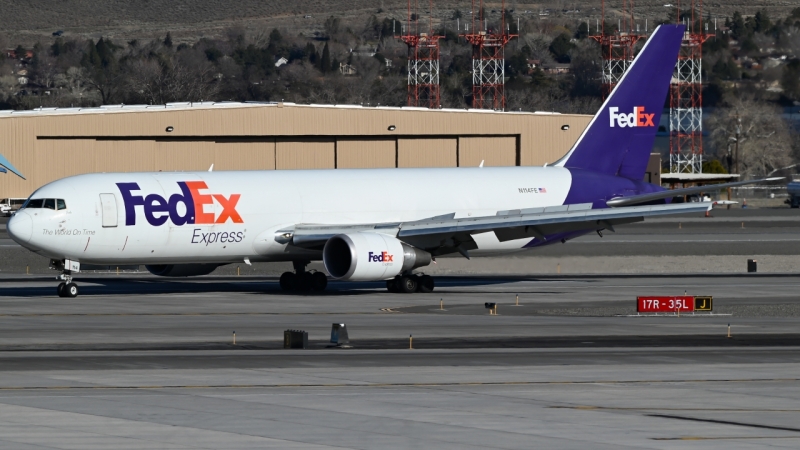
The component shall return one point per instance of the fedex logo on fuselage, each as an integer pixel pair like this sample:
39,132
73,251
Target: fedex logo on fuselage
158,209
380,257
638,118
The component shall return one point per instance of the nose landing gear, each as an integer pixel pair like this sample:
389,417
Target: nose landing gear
67,288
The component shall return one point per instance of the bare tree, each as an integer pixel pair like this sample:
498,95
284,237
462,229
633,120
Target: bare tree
45,71
763,136
540,47
175,80
550,98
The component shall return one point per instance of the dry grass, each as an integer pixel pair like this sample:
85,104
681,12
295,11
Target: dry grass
28,21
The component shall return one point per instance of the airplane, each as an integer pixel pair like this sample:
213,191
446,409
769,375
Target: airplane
364,224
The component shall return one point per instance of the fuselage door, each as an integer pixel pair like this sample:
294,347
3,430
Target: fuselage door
109,203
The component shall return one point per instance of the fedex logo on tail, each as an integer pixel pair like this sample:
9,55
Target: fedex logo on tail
638,118
380,257
186,207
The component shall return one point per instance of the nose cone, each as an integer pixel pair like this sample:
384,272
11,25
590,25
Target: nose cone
20,227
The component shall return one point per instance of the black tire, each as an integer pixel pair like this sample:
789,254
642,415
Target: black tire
407,284
391,285
304,282
425,284
287,281
60,289
71,290
319,281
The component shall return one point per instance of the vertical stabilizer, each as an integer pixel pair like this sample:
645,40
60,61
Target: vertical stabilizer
620,137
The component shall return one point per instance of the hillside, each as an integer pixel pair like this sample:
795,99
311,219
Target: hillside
26,22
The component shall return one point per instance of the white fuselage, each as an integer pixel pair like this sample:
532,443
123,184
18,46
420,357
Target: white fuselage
99,232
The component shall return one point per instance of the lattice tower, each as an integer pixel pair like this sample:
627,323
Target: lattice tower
617,47
423,61
488,59
686,99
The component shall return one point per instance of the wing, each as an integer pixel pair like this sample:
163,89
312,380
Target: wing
445,234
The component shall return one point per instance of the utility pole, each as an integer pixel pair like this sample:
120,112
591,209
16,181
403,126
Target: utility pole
738,136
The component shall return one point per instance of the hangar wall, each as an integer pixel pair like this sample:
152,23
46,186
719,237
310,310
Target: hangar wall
46,145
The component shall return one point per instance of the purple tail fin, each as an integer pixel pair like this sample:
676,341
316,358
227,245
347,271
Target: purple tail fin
620,137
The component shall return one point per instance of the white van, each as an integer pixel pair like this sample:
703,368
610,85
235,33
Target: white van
9,205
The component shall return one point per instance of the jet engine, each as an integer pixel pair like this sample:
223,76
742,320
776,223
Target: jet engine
368,256
181,270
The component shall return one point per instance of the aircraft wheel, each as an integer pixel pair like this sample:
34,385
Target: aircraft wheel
425,284
71,290
391,285
319,281
407,284
304,282
287,281
60,289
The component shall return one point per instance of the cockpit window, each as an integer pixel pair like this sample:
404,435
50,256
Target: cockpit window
34,203
48,203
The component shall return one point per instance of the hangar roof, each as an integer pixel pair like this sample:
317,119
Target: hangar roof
105,109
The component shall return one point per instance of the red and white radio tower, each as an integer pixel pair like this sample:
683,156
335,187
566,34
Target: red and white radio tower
488,59
617,47
423,61
686,96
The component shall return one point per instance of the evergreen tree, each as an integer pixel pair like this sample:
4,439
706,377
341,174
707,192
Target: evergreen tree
20,52
311,53
168,40
713,166
790,81
325,61
583,31
275,38
91,59
105,51
738,28
762,22
57,48
560,48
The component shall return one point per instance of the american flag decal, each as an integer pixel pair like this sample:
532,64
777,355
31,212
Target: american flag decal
543,190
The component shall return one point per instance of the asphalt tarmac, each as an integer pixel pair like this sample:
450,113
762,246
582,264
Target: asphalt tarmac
140,362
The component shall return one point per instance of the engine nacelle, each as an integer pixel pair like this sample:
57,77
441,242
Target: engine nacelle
181,270
368,256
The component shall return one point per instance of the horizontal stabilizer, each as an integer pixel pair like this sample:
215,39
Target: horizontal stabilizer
644,198
5,164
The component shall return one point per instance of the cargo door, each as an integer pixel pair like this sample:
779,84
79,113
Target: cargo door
109,203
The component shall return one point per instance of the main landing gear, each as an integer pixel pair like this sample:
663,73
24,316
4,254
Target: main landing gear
300,280
408,284
67,288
